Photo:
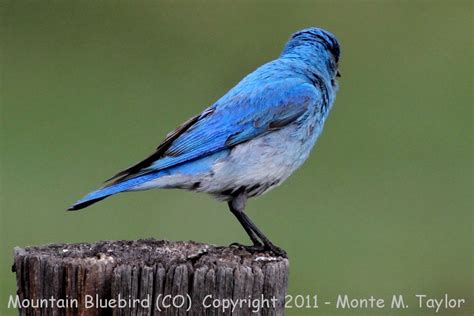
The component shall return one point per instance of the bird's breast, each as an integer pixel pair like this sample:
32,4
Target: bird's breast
264,162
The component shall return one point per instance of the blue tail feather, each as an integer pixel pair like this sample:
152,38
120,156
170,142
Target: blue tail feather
107,191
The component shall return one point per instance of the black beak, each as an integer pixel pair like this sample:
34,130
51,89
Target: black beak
338,74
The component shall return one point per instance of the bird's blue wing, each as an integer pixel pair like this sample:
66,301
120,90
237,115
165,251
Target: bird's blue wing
237,117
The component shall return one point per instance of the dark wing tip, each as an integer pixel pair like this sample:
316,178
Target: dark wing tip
160,150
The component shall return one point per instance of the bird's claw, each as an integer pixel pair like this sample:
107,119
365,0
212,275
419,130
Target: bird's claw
237,245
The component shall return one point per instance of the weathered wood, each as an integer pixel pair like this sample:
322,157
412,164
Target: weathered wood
151,277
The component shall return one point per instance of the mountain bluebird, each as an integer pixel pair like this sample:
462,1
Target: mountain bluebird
250,140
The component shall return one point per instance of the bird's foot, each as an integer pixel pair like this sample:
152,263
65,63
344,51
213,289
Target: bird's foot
277,251
239,245
252,249
262,248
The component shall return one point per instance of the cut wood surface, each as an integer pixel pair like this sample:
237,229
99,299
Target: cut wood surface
148,277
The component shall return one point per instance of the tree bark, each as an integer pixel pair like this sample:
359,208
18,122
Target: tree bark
148,277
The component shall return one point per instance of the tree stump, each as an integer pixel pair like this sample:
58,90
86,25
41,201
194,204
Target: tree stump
148,277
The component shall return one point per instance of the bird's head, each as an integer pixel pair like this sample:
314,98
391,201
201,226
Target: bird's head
317,47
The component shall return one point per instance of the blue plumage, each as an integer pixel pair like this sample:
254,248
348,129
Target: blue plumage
252,138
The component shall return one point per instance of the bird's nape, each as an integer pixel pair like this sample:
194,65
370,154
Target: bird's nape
316,35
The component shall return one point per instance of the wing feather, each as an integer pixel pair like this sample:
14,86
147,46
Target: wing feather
230,121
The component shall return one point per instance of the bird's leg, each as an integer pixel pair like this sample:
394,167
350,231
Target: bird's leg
237,207
267,244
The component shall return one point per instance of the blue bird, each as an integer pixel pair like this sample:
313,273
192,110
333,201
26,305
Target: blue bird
250,140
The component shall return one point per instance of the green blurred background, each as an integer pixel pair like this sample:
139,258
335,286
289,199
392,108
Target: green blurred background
384,204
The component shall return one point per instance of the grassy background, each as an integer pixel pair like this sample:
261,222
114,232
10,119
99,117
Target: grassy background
384,204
